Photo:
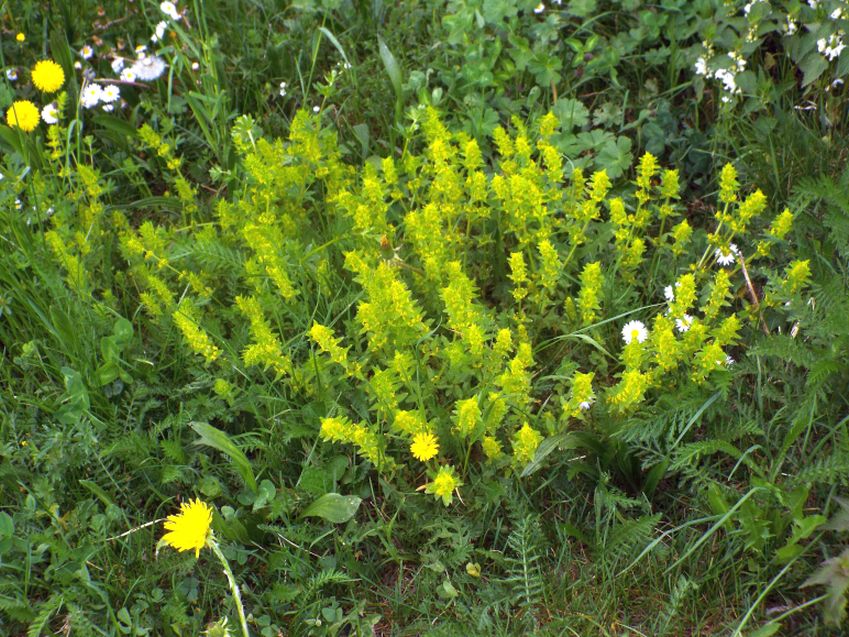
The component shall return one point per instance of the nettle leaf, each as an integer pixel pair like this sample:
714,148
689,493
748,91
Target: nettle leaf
333,507
812,66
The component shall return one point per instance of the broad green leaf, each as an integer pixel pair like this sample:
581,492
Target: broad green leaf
571,113
391,65
812,66
560,441
7,525
333,507
217,439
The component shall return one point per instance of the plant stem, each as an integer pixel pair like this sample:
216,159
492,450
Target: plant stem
234,588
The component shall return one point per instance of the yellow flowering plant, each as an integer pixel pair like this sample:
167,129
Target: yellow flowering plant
191,530
443,320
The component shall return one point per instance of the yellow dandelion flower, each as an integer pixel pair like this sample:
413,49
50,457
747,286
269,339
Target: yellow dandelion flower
443,485
425,446
189,529
23,114
20,37
47,76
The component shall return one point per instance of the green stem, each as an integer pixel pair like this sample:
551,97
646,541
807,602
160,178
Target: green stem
234,588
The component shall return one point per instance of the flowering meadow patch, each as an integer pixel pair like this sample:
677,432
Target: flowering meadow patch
466,317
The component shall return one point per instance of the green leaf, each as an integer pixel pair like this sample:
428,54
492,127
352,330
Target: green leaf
333,507
217,439
571,113
329,35
615,157
77,401
812,66
391,65
97,490
559,441
766,630
7,525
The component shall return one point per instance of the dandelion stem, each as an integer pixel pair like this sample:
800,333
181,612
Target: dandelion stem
234,588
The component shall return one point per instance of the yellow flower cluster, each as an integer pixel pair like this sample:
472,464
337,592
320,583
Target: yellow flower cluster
265,350
445,482
185,318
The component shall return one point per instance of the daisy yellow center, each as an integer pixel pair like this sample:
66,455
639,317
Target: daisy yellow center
189,529
47,76
23,114
424,447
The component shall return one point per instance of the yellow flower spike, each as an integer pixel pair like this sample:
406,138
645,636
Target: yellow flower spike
189,529
424,446
23,114
47,76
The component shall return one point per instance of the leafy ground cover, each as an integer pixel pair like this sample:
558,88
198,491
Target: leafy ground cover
458,317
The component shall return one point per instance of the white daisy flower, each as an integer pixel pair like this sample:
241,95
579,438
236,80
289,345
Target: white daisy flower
91,95
50,114
726,258
195,66
539,8
684,323
149,68
634,330
169,9
11,74
128,75
669,293
110,94
117,65
315,109
159,33
86,52
78,65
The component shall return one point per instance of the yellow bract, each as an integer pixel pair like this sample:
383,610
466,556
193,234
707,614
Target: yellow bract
189,529
47,76
444,483
23,114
